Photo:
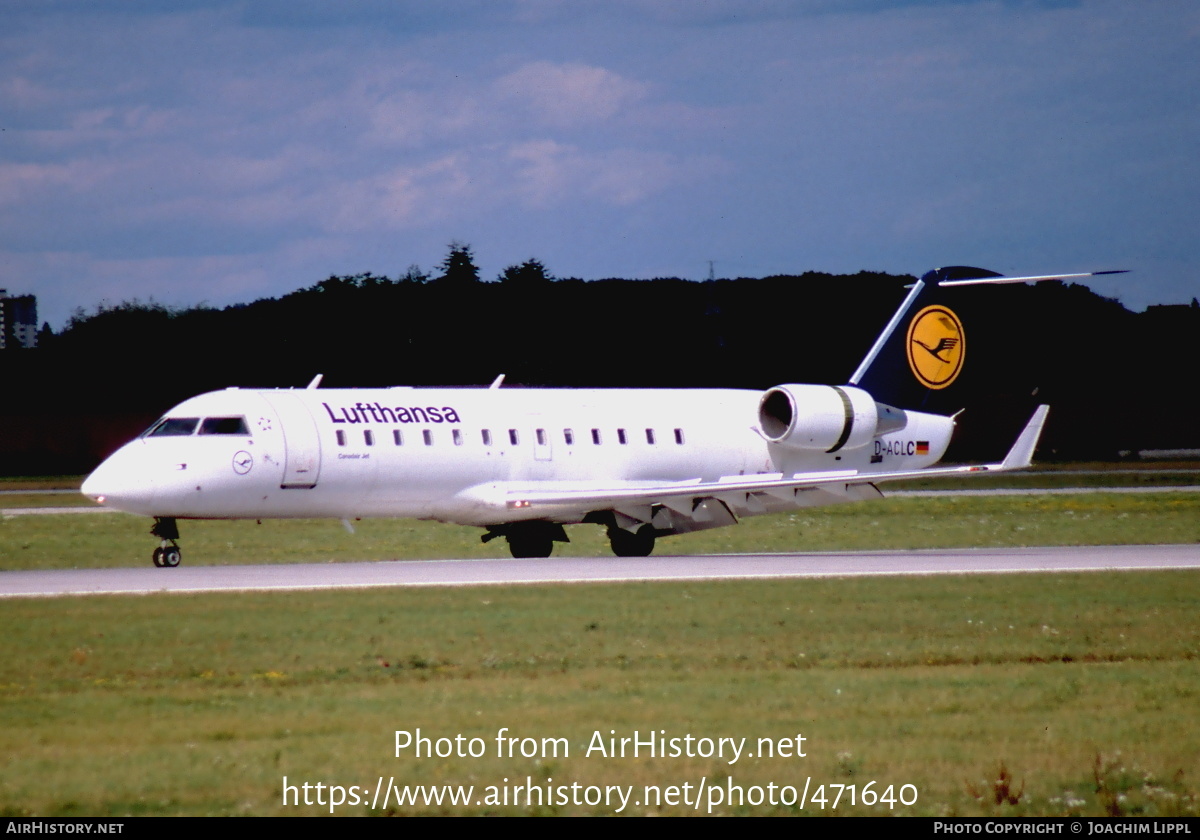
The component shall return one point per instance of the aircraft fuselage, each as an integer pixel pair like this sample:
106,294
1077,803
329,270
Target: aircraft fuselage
459,455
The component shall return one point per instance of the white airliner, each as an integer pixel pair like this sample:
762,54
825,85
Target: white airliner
521,463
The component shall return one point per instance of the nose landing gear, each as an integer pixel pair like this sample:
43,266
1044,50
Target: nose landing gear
168,554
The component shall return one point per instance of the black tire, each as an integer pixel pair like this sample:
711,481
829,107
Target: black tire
629,544
158,557
528,547
171,557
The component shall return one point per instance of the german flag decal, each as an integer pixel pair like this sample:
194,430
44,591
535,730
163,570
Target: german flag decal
936,346
922,447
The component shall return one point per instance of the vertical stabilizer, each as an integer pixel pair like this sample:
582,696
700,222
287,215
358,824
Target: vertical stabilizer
918,360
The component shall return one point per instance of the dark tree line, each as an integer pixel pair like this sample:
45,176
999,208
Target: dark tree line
1112,376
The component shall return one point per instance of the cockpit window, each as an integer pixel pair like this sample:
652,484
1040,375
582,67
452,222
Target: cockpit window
174,427
224,426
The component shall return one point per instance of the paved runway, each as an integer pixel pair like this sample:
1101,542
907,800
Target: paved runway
608,569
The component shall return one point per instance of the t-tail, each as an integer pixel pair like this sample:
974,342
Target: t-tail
922,353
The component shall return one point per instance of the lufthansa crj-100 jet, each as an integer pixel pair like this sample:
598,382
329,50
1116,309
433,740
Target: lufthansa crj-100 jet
522,463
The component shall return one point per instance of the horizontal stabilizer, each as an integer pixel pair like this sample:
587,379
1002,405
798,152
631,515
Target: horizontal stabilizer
976,281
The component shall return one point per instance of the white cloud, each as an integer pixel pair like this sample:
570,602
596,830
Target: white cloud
551,173
402,197
188,134
570,95
26,184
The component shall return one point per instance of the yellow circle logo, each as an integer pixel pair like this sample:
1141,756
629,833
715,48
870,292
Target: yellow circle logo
936,346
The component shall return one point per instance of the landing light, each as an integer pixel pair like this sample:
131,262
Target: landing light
520,504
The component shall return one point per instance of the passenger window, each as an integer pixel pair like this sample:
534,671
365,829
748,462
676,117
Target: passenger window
341,437
512,437
487,437
650,436
596,436
457,435
428,435
224,426
541,437
568,437
679,436
368,437
174,427
621,437
397,437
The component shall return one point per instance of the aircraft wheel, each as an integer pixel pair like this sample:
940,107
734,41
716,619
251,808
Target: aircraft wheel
158,557
530,547
627,544
171,556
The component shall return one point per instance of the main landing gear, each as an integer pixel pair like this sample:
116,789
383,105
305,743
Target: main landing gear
637,543
168,554
536,539
528,539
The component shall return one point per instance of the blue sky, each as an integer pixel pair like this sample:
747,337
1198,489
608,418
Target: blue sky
224,151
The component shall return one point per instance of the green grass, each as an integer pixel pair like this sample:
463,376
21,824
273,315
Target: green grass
1070,694
1083,687
107,540
1046,478
47,482
1053,475
43,499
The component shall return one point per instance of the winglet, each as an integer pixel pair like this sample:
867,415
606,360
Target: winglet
1021,454
316,382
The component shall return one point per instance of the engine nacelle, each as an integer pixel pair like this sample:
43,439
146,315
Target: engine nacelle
825,418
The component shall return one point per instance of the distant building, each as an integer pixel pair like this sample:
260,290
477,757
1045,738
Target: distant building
18,320
1173,308
1175,318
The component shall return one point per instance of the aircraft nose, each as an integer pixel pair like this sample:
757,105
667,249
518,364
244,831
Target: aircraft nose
121,483
96,485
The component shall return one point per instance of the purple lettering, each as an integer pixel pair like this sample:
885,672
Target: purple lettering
378,413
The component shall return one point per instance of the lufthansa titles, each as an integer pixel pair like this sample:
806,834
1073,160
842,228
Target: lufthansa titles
378,413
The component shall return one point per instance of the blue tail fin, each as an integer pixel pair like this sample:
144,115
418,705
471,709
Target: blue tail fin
920,356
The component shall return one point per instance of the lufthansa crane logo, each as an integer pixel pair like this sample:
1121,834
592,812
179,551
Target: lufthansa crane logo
243,462
936,346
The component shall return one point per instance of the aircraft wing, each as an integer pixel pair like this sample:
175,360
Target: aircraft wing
749,493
